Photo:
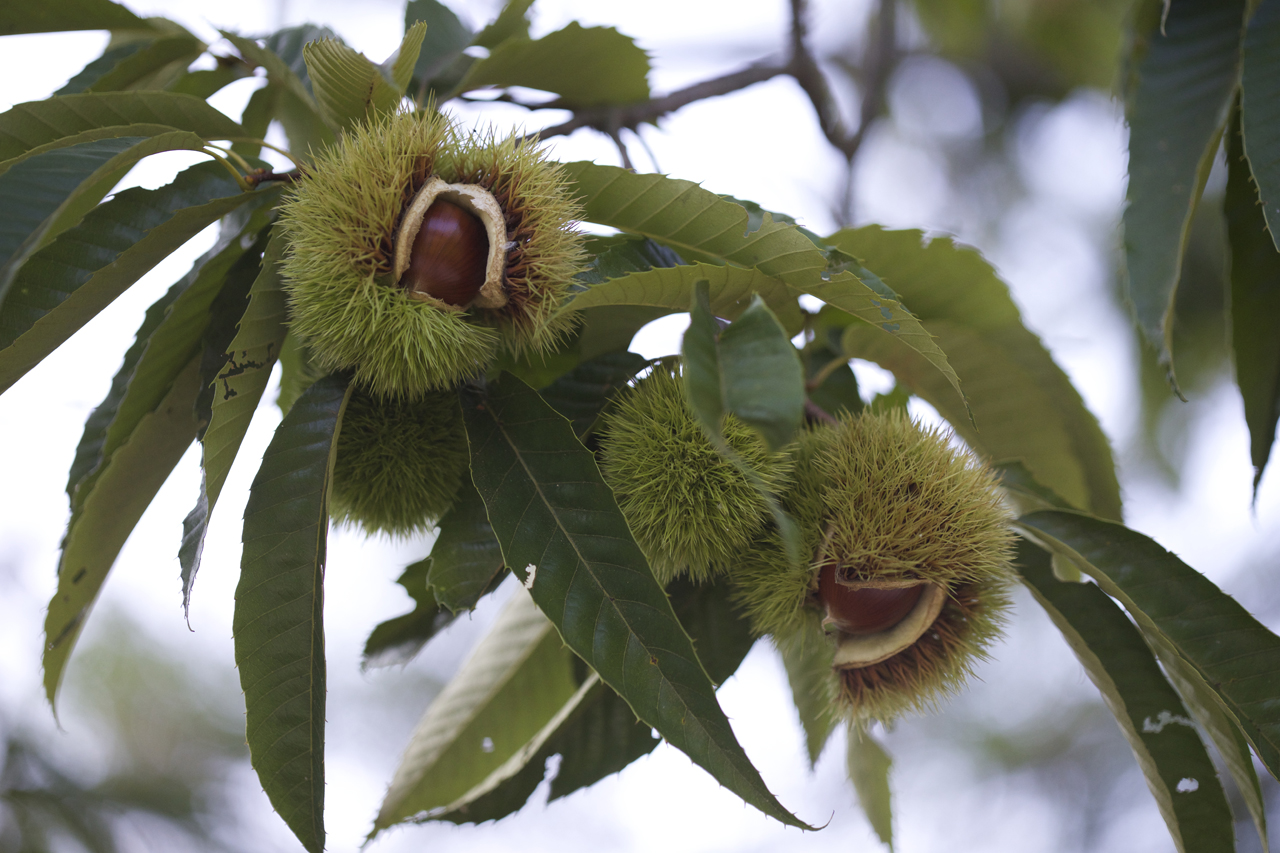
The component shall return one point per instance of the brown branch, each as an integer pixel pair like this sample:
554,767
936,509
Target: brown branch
261,176
631,116
816,414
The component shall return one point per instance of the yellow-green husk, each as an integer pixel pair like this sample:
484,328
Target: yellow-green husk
690,509
341,220
399,461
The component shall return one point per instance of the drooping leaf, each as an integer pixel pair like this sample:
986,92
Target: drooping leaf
1023,406
67,283
128,482
445,39
157,64
868,765
348,87
205,82
1255,305
514,682
1183,80
168,340
512,23
1209,629
294,104
466,560
37,126
596,734
297,372
46,194
1260,107
1154,721
16,18
555,63
237,389
92,72
709,371
705,227
582,394
563,535
398,640
671,290
279,617
806,656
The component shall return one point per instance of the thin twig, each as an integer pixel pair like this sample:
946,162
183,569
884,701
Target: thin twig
816,413
261,176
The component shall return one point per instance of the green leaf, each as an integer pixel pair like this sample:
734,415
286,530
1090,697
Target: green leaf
398,640
708,372
1260,99
47,194
283,58
1209,629
206,82
1022,404
16,18
67,283
237,390
582,394
93,72
1255,305
512,23
1150,713
514,682
596,733
445,40
806,656
400,65
671,289
279,617
619,69
868,766
1177,102
705,227
37,126
297,372
129,480
466,560
169,339
157,64
562,533
348,87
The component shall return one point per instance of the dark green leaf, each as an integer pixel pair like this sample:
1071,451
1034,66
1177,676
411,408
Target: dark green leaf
93,72
155,66
446,36
237,388
1181,88
1150,713
1255,306
1209,629
555,63
169,339
1023,406
49,193
125,487
282,57
297,372
512,23
838,389
806,655
561,531
466,560
67,15
619,254
707,375
68,282
704,227
868,765
582,394
207,81
397,640
58,122
596,733
1260,99
279,617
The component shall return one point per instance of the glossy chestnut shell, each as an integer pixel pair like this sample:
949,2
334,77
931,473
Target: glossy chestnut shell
863,611
448,257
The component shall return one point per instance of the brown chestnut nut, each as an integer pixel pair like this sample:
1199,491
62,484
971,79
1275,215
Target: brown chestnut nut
866,610
447,261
